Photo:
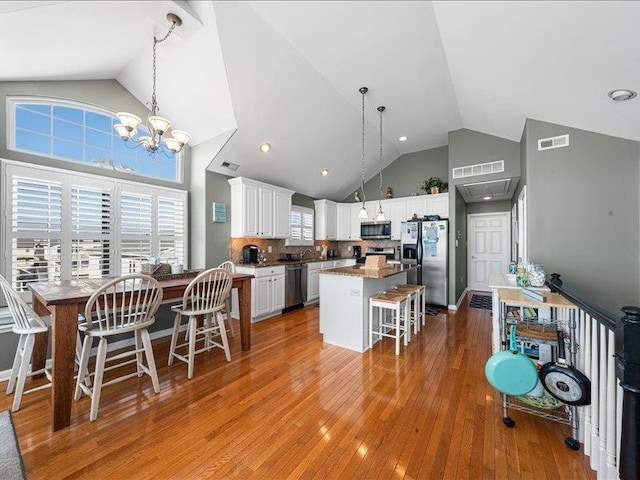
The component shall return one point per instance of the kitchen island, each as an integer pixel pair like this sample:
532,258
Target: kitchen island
344,301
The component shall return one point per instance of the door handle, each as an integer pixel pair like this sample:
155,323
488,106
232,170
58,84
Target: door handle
473,257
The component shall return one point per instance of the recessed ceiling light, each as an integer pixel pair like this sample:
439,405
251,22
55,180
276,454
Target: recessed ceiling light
403,138
265,147
486,198
622,94
324,172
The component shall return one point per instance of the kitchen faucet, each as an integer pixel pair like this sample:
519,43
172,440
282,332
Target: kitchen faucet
303,253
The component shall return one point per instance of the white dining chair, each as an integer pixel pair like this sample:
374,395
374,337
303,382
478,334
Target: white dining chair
123,305
229,266
203,298
27,324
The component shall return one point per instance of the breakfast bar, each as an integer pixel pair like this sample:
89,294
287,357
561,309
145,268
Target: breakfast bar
344,301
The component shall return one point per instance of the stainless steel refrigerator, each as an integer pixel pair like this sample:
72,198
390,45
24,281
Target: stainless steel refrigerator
425,243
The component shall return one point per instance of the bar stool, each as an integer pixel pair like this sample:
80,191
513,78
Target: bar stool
393,303
418,296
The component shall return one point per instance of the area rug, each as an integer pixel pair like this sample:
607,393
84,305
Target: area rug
480,301
11,466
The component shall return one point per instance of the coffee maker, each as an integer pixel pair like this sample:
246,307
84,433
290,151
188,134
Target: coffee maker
250,254
357,251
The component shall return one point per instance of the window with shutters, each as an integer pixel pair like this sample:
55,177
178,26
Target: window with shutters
301,229
80,133
63,225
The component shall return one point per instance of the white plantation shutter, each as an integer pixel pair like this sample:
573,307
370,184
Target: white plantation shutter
135,231
91,232
307,227
35,212
171,228
301,229
62,225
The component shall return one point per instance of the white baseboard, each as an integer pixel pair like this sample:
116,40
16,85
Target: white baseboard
457,305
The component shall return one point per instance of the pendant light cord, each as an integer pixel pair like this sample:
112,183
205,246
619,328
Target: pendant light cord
380,109
363,90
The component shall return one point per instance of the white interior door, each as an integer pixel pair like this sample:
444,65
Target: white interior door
488,247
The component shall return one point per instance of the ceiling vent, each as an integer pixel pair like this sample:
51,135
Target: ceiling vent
553,142
230,166
496,189
479,169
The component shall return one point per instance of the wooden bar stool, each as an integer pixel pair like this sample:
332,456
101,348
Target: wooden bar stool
418,293
393,303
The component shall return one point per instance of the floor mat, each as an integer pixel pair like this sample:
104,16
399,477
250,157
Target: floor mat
11,467
481,301
431,311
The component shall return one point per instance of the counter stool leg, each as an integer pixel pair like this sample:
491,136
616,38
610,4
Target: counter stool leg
370,323
398,329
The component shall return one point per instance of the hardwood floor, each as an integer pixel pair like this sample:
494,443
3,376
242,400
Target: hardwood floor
294,407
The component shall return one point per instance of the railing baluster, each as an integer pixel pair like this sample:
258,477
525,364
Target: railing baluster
611,408
595,396
602,414
587,371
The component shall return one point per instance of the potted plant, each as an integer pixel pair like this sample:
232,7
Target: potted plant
434,185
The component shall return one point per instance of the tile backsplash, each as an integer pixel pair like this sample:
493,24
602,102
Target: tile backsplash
279,249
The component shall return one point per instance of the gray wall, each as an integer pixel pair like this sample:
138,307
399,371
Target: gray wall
468,147
217,234
302,200
406,174
583,207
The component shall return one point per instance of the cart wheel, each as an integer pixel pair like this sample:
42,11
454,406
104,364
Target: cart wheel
509,422
572,443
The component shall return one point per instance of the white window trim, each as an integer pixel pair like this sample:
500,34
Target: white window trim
118,186
12,100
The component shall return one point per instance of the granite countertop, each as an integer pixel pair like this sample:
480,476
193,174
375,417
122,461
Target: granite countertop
360,271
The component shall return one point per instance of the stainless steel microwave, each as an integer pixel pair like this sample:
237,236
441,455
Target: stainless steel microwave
375,230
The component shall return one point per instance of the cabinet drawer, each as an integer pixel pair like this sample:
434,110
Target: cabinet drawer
268,271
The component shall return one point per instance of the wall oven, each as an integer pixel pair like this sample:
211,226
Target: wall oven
375,230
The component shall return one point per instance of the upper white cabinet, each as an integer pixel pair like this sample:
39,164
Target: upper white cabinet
259,209
348,223
416,206
438,204
396,211
326,220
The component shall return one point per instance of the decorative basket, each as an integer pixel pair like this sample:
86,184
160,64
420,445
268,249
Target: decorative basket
175,276
154,270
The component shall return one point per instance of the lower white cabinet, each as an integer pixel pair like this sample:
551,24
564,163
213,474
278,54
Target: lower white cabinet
267,291
313,277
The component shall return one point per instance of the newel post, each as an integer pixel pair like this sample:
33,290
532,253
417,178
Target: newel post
628,372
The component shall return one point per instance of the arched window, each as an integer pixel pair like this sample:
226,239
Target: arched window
84,134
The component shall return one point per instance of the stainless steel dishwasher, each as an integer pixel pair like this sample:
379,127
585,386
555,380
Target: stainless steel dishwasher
295,290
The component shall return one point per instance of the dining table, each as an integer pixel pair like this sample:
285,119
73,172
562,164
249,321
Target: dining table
65,299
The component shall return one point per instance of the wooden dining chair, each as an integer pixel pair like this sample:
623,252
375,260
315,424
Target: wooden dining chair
204,298
229,266
123,305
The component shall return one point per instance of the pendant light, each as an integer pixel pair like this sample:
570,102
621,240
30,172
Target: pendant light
363,210
380,216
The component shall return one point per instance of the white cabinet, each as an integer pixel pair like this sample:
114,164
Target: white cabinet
416,206
395,211
267,298
438,204
259,209
313,281
348,224
326,220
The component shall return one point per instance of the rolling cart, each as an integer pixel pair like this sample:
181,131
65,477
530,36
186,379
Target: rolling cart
537,324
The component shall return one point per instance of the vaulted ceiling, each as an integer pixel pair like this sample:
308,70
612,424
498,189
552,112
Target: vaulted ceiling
288,72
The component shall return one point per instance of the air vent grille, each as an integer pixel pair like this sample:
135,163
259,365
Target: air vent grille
230,166
479,169
553,142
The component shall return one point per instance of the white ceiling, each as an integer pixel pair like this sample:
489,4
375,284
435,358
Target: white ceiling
288,72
